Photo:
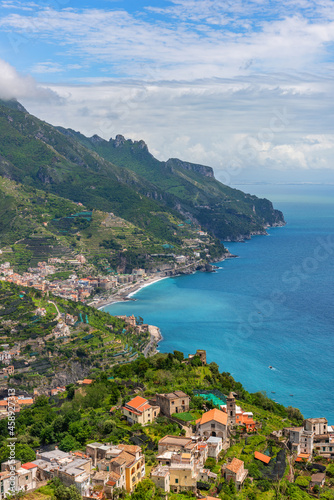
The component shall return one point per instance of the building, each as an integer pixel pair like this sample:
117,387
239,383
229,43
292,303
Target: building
24,479
236,472
161,477
183,473
139,411
300,440
181,462
215,446
212,423
231,409
237,416
317,425
175,444
98,451
318,479
201,354
71,468
173,402
324,445
129,464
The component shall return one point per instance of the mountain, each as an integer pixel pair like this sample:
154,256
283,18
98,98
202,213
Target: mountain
36,225
189,188
123,177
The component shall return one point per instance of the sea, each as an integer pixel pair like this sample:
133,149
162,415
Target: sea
266,316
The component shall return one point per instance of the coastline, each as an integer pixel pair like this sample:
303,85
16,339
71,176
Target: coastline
126,293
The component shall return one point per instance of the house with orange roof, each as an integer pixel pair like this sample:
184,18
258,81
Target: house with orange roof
303,457
263,458
246,419
212,423
139,411
236,472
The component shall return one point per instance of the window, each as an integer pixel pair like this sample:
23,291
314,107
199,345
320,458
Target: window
176,480
172,402
183,401
213,426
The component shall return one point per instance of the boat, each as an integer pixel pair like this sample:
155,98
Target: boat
271,367
290,394
273,392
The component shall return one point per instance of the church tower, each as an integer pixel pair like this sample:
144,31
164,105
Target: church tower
230,403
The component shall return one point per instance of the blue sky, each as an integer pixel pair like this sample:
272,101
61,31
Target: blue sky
244,86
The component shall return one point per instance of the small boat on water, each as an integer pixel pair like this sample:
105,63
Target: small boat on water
273,392
290,394
271,367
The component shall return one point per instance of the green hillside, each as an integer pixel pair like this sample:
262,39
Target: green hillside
124,178
191,188
36,225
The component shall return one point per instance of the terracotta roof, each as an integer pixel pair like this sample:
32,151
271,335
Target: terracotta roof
111,483
302,456
127,457
130,448
235,465
216,415
119,460
318,478
260,456
137,402
114,476
131,410
29,465
87,381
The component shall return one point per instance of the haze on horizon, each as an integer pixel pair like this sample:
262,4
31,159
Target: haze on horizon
243,86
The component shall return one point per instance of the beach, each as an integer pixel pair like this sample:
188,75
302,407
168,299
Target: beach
126,292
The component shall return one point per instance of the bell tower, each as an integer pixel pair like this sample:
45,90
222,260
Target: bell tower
230,406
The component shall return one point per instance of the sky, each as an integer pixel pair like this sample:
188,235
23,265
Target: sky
243,86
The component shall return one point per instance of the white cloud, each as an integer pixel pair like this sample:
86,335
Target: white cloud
15,85
232,126
200,79
167,50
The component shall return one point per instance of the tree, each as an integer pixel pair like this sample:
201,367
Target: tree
41,401
330,470
196,361
178,355
63,493
68,443
23,452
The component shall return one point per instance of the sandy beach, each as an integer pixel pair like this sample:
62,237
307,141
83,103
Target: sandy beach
126,292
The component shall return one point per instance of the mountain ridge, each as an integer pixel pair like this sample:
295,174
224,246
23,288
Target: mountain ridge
122,176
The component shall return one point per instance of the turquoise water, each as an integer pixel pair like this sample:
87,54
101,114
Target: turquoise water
271,306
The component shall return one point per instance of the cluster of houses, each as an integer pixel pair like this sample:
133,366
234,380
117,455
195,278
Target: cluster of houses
315,437
105,467
74,288
181,459
97,472
15,403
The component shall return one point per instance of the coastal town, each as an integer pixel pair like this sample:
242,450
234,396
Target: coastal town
201,457
74,288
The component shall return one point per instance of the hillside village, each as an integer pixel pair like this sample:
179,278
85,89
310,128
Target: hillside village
200,442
